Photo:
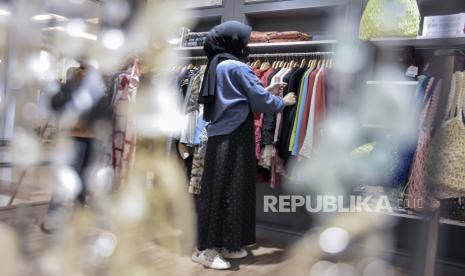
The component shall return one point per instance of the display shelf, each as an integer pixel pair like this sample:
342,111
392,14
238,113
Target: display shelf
401,214
301,46
261,48
451,222
414,83
404,214
420,42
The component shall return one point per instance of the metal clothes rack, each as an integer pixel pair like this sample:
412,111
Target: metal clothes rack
274,55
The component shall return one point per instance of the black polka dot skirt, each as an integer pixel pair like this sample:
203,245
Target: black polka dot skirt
226,204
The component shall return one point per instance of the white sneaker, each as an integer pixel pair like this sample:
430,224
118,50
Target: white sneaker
233,254
210,258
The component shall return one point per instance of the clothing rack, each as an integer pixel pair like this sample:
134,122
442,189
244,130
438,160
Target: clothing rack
307,54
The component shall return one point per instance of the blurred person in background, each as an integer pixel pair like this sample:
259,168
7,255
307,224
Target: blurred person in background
80,103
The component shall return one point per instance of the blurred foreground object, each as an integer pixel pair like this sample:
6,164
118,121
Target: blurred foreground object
349,244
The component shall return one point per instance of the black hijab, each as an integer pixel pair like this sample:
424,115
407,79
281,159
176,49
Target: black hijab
225,41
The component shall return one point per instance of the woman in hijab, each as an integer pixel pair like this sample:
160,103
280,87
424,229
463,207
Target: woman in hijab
230,93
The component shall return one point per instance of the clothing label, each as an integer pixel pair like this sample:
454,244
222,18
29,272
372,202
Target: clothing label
412,71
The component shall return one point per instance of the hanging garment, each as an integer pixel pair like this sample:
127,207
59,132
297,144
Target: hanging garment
258,117
191,106
418,194
258,125
331,95
289,114
198,163
303,110
269,127
310,131
200,142
268,118
403,153
304,99
123,140
277,166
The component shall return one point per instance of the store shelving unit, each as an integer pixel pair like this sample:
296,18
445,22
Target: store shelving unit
312,16
438,230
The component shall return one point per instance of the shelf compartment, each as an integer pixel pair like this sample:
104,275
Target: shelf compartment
314,21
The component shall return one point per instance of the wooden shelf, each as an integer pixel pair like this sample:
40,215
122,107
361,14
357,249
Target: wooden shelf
261,48
420,42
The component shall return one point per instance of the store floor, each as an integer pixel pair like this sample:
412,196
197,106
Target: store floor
265,258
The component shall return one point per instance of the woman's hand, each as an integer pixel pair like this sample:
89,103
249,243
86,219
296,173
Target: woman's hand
289,99
276,88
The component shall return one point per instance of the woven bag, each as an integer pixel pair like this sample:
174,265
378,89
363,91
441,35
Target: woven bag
418,195
447,152
388,18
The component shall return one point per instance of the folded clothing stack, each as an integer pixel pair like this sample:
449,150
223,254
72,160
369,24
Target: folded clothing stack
194,39
260,37
289,36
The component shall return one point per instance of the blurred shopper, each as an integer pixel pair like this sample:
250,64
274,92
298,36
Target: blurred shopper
80,102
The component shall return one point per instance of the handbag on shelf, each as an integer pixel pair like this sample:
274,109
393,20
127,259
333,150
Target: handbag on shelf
453,208
447,152
418,193
390,18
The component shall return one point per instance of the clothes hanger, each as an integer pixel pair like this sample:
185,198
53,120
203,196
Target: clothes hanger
314,61
303,63
265,65
292,64
311,62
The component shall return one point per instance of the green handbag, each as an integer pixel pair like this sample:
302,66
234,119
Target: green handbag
388,18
